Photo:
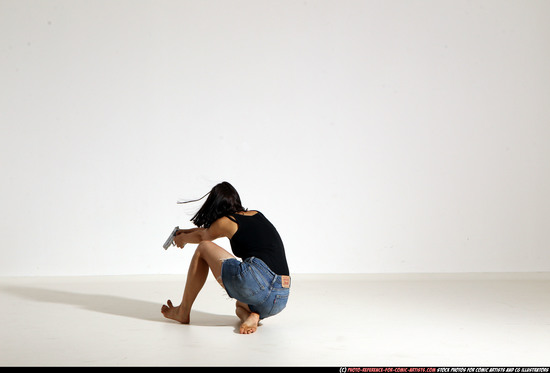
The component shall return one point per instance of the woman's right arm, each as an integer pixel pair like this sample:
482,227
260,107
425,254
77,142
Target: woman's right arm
222,227
191,230
185,236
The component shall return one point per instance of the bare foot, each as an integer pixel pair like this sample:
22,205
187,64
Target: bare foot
174,313
250,325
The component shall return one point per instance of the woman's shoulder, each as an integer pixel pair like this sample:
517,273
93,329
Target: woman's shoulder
249,212
245,213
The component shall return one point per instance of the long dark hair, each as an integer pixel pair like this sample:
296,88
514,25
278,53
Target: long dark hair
223,200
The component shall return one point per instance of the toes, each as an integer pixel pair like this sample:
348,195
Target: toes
247,329
165,308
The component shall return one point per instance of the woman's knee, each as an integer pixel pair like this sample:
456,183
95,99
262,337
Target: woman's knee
213,255
204,246
210,250
201,251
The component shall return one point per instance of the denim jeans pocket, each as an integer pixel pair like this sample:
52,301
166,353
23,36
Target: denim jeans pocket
247,285
279,303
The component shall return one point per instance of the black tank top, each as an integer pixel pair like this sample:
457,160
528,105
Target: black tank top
257,237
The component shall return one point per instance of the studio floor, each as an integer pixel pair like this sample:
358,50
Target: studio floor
331,320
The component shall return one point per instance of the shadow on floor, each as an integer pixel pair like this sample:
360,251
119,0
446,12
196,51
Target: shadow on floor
115,305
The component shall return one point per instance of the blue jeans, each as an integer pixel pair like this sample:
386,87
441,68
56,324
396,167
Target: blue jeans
253,283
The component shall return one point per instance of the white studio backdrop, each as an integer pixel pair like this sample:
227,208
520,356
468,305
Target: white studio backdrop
378,136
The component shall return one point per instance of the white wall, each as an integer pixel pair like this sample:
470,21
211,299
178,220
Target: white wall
378,136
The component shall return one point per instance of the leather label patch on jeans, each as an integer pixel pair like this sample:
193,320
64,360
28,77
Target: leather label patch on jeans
285,281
